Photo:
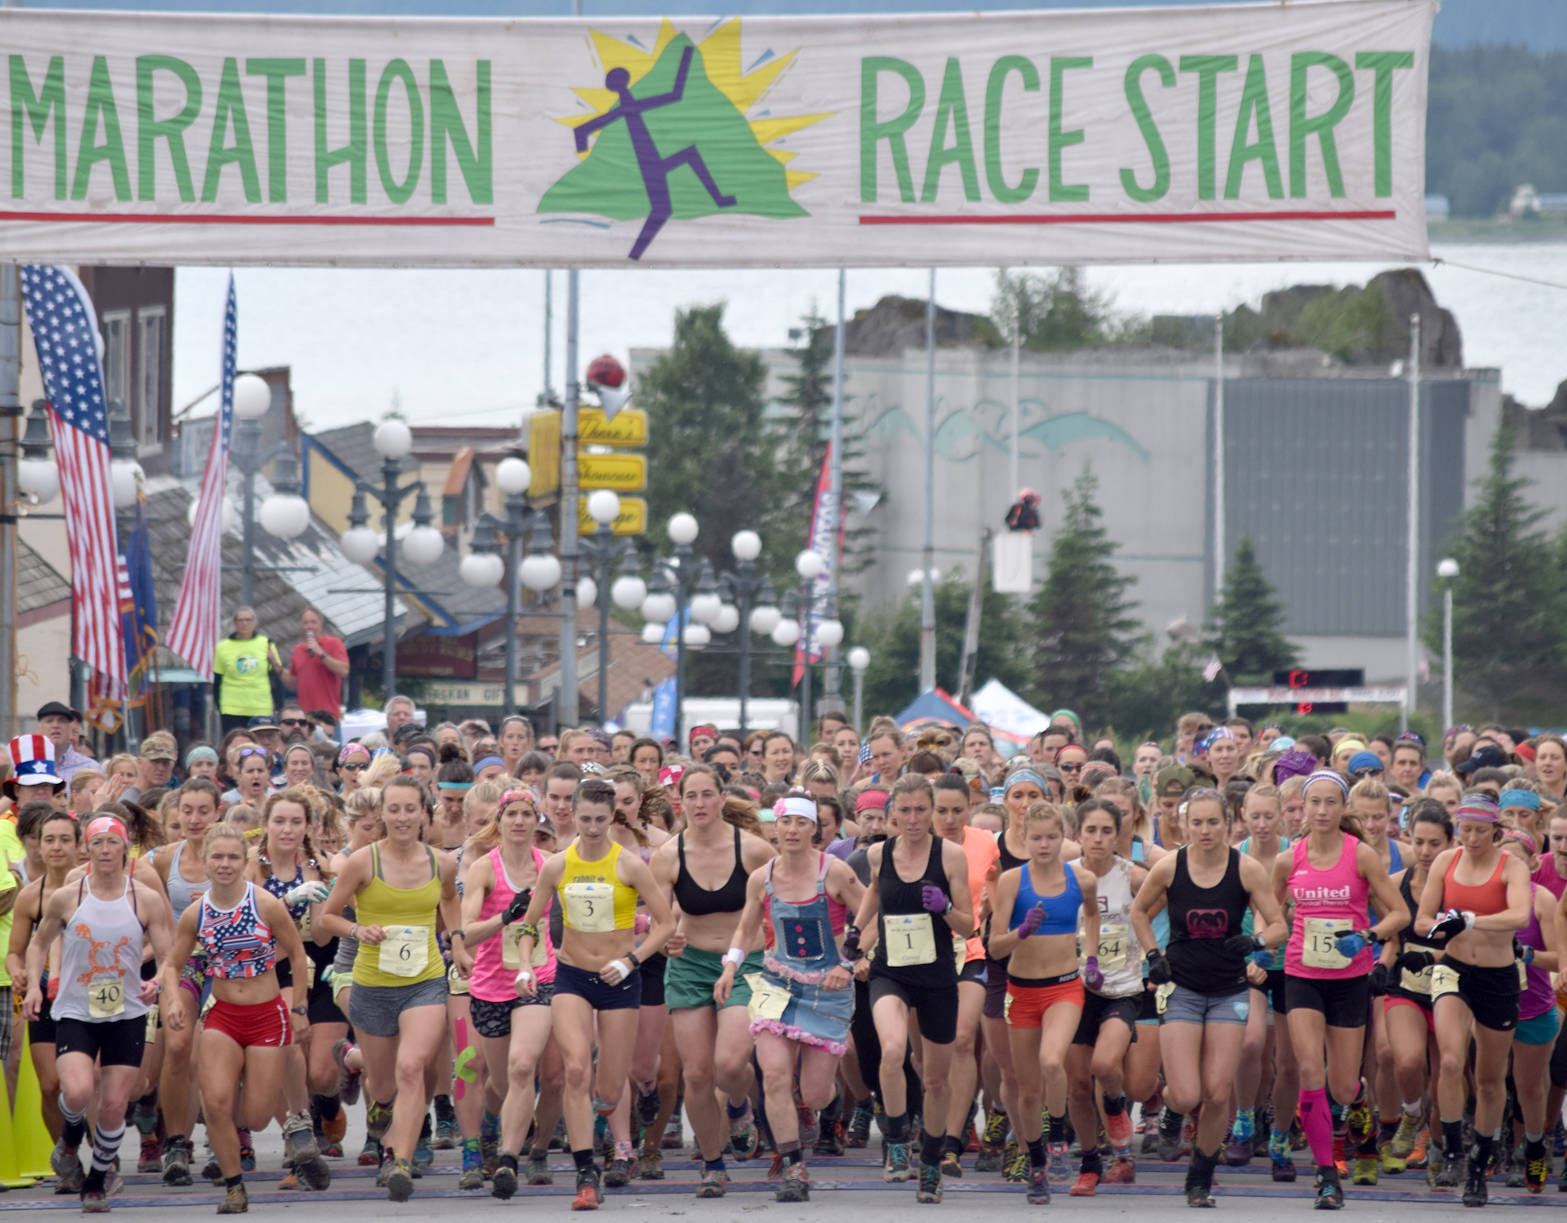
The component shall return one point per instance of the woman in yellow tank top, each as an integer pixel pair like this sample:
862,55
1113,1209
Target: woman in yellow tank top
398,886
596,966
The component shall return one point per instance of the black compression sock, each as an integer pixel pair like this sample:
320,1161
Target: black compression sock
1114,1105
583,1160
1036,1152
930,1148
1453,1139
1057,1129
898,1127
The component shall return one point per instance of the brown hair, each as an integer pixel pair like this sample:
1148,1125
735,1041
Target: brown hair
304,797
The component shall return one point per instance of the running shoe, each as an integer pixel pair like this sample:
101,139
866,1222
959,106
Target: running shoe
673,1137
744,1141
67,1166
288,1182
1516,1178
1359,1121
794,1187
1421,1154
929,1190
151,1159
1038,1187
300,1150
859,1131
447,1135
400,1182
472,1176
1119,1129
348,1080
94,1201
423,1155
1016,1169
617,1173
538,1170
504,1183
1395,1156
369,1155
1449,1173
1122,1171
952,1164
895,1166
1169,1137
210,1170
334,1130
1237,1151
383,1174
1366,1169
1330,1192
588,1194
715,1183
650,1165
830,1140
1281,1158
647,1106
810,1126
1084,1185
1475,1191
247,1151
1060,1164
991,1142
1536,1169
176,1161
235,1201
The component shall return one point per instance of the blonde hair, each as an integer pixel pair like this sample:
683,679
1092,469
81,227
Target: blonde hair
1290,788
81,779
1371,788
480,793
1142,823
224,830
379,771
1262,789
1038,813
1444,780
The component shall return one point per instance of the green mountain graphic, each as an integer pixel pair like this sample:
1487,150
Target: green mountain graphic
608,183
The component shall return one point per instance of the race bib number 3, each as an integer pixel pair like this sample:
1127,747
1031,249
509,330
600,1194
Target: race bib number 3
106,998
910,939
511,948
590,906
768,1001
405,951
1318,949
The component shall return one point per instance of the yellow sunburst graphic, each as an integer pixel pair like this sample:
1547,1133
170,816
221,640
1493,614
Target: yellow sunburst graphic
720,52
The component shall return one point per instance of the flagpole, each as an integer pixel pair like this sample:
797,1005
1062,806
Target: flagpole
928,553
11,408
830,696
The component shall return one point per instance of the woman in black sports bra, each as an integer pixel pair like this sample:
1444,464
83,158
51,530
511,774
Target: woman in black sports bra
704,872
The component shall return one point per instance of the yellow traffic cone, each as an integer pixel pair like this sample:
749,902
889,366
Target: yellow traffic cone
10,1172
30,1135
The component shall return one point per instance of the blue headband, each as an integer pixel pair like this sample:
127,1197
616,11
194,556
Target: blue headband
1327,775
1520,798
484,762
1019,776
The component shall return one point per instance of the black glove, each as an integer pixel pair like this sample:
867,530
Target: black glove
1159,971
1242,944
1379,979
518,907
1449,924
851,943
1414,961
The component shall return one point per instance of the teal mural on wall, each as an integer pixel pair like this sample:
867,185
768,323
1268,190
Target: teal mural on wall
962,434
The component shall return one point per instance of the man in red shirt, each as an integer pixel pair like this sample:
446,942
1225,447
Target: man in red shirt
317,666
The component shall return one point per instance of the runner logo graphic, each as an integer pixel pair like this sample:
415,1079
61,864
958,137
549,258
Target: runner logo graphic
668,137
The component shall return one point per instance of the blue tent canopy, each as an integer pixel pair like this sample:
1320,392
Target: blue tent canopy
932,707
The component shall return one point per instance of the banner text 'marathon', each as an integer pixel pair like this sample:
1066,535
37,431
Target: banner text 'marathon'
409,128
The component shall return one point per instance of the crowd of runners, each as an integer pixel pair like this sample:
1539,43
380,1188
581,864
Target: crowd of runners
1334,956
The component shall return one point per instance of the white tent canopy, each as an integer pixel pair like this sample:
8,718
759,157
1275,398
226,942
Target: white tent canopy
1001,709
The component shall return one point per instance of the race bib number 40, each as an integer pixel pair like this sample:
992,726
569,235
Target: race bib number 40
106,998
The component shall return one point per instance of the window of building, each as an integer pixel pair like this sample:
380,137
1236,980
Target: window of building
152,325
117,356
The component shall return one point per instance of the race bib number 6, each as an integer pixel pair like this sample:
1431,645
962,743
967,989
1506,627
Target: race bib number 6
405,951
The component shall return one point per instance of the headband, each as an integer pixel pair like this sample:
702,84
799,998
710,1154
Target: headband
1018,776
1327,775
1479,808
795,804
515,796
1349,745
484,762
669,775
105,824
349,749
1523,838
1519,798
870,800
454,785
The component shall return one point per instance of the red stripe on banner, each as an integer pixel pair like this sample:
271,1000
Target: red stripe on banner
84,472
175,218
1121,218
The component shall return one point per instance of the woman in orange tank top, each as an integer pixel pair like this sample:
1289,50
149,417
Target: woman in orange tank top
1476,898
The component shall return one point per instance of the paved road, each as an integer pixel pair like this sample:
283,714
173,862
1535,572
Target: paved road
850,1183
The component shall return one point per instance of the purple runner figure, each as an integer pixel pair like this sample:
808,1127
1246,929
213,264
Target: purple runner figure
655,170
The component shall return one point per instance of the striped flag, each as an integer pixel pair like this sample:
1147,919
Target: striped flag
65,333
193,633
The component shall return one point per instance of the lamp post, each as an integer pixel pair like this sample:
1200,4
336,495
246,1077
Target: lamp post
669,592
1447,570
523,526
422,546
603,549
826,632
756,612
859,659
284,513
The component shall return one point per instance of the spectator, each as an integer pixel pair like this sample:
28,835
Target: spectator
202,761
242,667
61,725
316,666
295,724
399,711
154,765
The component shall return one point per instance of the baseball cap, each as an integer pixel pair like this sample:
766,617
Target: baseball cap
159,745
1173,781
57,708
1364,762
1486,757
263,721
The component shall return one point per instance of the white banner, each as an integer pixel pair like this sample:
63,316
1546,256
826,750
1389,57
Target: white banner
1275,131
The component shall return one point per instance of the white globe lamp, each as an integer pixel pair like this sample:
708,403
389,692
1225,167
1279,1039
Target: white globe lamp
252,397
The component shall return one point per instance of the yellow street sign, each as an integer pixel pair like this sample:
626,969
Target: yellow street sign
544,452
629,428
624,473
632,519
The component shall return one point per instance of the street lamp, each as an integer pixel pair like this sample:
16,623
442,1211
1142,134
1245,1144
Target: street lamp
483,566
826,632
752,609
1447,570
422,545
284,513
603,549
859,659
37,474
668,597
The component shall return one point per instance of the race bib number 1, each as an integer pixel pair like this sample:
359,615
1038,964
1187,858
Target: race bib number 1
106,998
405,951
910,939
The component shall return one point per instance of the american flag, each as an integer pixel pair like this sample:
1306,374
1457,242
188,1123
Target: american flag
65,333
193,633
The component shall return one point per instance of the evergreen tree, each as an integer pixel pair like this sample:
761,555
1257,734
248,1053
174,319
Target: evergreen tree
1146,700
1247,629
1054,311
1084,629
1506,598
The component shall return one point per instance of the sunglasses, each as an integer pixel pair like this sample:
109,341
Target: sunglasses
548,745
252,751
352,768
1070,768
294,722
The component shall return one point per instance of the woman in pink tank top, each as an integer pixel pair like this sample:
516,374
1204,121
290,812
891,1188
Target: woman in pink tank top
513,1028
1327,878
